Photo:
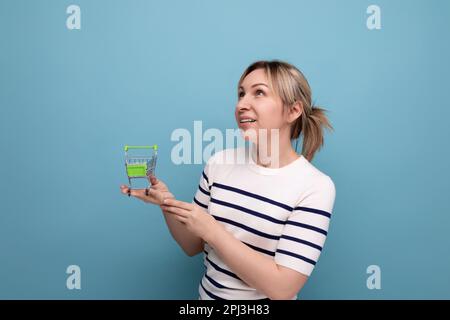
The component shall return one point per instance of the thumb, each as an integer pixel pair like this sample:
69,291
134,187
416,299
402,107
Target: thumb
153,180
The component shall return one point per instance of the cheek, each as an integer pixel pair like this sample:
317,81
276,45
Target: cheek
270,116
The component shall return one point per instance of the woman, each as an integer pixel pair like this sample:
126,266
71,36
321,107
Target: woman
261,222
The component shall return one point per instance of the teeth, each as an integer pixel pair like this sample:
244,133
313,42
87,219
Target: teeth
247,120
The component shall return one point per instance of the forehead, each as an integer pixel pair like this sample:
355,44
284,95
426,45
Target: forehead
256,76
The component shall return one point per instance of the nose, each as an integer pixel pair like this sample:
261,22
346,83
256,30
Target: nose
242,106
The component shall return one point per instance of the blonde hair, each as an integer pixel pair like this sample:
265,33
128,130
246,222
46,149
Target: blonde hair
291,86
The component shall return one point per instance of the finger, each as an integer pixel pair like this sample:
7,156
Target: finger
165,208
146,194
153,179
179,204
124,189
181,219
140,192
177,211
197,206
137,193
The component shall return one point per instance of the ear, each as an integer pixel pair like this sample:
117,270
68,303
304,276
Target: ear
295,111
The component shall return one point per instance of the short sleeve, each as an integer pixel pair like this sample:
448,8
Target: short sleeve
306,229
203,193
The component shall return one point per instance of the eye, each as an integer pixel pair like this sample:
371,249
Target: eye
240,94
259,91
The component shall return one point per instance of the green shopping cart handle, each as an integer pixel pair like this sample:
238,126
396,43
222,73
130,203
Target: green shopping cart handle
154,147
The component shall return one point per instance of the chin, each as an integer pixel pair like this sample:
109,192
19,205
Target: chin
249,134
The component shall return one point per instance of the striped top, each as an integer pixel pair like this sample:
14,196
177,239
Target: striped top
283,213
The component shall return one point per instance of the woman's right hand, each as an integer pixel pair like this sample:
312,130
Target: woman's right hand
155,195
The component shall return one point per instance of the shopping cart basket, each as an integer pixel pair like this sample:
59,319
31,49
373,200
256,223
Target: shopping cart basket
140,164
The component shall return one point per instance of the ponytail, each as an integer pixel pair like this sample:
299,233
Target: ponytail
311,125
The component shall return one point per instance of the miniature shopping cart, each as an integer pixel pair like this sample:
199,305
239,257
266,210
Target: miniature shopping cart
140,164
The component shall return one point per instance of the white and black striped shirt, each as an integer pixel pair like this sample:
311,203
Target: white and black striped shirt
283,213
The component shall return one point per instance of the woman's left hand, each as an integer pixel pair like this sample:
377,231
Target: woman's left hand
197,220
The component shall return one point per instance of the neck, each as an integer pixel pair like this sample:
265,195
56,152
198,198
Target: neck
275,156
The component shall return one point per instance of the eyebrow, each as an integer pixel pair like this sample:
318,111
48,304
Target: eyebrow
256,84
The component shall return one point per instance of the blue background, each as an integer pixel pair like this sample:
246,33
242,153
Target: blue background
137,70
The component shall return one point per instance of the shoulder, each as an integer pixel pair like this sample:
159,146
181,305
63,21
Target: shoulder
323,194
317,179
324,184
321,191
